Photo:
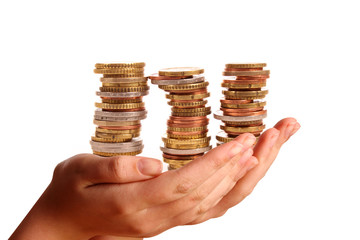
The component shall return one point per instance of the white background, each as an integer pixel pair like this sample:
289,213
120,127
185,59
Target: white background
47,54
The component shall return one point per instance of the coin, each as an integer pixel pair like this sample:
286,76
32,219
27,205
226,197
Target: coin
117,132
177,135
132,127
118,70
121,100
174,162
242,129
182,157
186,141
245,65
184,87
124,89
181,71
240,110
125,85
126,136
125,75
185,152
123,80
246,114
100,112
246,73
193,79
112,140
114,119
106,154
242,86
120,106
257,104
122,94
220,116
188,97
187,104
120,65
135,142
190,114
242,69
191,129
246,93
116,124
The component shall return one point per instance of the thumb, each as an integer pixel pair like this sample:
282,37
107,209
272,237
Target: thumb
118,169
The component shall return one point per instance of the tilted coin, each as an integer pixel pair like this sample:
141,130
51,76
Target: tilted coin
122,94
185,152
245,65
246,73
184,87
188,97
181,71
101,113
193,79
120,65
120,106
220,116
124,80
124,89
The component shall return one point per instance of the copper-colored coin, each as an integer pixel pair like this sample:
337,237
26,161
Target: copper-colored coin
235,86
244,106
256,81
244,124
246,73
132,127
158,77
182,157
245,65
226,101
242,69
241,114
125,110
235,134
258,77
241,110
125,75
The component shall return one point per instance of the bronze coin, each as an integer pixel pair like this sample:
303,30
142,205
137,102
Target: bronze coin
156,76
242,69
182,157
227,101
240,114
258,77
187,133
241,110
138,126
256,81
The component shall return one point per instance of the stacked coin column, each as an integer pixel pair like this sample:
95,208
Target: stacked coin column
186,137
242,109
120,110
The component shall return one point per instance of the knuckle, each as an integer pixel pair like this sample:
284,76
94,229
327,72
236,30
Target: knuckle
197,196
118,168
201,209
184,186
141,228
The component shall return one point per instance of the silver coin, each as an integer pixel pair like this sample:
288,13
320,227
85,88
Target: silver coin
186,151
115,119
218,143
124,80
118,150
122,94
220,116
135,142
194,79
100,113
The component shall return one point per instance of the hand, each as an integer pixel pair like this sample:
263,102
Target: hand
265,151
91,196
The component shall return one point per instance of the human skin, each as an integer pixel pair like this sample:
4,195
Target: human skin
96,198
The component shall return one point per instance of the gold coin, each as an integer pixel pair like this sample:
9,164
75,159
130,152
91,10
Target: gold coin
188,97
176,136
181,71
244,106
120,65
103,154
187,104
187,129
191,110
134,84
116,124
246,73
123,80
118,70
242,86
244,124
245,65
121,101
120,106
111,140
246,93
184,87
186,146
110,131
175,162
117,136
187,141
124,89
196,114
125,75
242,129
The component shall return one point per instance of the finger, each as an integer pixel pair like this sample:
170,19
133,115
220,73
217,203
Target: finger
207,194
176,184
94,169
266,151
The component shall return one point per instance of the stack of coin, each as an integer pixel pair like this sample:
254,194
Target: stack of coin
242,109
120,110
186,137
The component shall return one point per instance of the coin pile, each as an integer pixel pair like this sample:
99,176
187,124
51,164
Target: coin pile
242,109
186,137
121,109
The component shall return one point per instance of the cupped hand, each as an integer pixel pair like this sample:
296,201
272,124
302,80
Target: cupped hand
91,196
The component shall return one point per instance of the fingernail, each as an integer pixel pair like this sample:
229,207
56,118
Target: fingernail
252,163
150,167
236,148
296,128
246,155
290,128
250,141
274,138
